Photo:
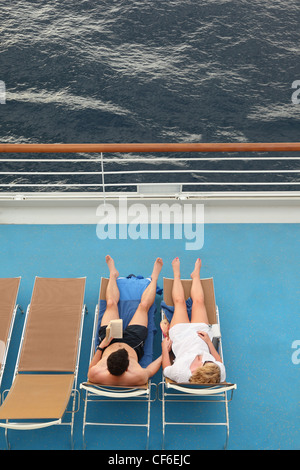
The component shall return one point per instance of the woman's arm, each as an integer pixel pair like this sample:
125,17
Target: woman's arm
210,345
166,346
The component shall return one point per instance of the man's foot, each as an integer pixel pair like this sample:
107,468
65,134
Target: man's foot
176,266
111,266
158,264
197,267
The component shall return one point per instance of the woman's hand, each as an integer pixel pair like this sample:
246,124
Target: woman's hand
204,336
166,344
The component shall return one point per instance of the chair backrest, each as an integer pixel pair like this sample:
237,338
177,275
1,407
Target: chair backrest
103,287
209,295
9,288
53,325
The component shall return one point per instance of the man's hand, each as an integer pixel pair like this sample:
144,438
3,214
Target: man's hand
105,342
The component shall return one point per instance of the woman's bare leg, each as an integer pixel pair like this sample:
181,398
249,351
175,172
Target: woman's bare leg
199,314
180,312
141,315
112,293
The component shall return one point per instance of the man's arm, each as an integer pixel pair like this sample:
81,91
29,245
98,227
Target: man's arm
95,374
154,367
139,376
97,357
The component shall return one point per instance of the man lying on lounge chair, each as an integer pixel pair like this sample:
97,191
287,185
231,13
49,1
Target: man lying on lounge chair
116,360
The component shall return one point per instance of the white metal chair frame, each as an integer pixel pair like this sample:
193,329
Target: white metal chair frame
189,393
75,393
104,393
11,327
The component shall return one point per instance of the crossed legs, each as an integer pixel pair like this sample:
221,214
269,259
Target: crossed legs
199,314
112,295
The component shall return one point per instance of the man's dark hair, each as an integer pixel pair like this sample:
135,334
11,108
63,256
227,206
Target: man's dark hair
118,362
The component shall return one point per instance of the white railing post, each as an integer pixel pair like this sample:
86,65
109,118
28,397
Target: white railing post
102,173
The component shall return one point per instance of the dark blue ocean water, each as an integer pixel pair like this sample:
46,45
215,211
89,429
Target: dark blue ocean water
150,71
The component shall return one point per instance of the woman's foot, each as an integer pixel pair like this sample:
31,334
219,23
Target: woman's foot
176,267
158,264
197,268
111,266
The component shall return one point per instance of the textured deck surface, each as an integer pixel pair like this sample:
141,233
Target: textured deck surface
256,274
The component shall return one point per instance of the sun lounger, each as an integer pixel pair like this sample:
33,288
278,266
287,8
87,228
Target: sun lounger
130,294
9,288
47,366
172,392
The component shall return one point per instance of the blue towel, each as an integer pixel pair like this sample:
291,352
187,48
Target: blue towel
131,290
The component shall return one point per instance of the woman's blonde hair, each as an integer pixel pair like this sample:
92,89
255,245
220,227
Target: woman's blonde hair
209,373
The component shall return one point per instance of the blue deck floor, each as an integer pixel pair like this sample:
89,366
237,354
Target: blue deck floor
256,274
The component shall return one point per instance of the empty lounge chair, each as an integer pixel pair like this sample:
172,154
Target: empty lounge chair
46,371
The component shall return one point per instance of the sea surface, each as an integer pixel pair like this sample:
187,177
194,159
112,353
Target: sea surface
149,71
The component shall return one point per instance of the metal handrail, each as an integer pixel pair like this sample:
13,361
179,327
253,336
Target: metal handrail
155,148
144,159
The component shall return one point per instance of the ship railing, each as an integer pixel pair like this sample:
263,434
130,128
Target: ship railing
150,170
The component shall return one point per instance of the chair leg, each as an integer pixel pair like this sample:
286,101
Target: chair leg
84,420
163,416
148,420
227,420
227,437
6,438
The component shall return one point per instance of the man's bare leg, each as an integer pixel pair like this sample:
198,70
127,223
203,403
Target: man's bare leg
141,315
180,312
112,293
199,314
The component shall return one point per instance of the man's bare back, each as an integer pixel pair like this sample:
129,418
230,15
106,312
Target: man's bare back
134,375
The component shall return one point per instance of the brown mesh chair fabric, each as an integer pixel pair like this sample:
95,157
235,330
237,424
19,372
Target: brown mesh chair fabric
52,330
38,396
50,345
8,296
209,295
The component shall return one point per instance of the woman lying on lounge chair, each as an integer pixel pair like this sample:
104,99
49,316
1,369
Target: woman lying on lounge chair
196,359
116,360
